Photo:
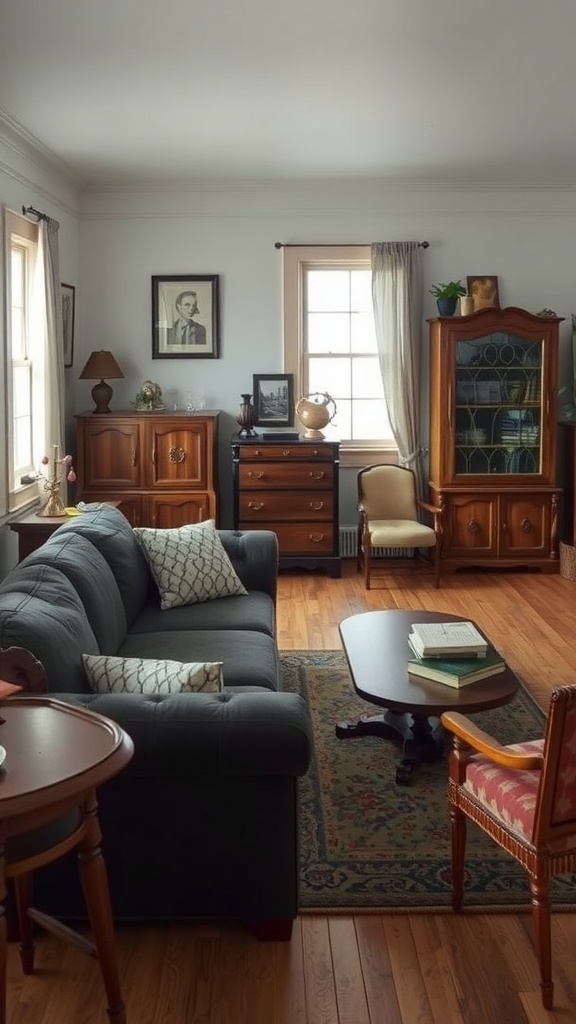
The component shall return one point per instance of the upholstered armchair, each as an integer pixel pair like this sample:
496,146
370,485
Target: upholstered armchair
524,797
390,516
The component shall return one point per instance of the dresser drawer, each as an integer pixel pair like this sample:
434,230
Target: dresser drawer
262,506
300,538
286,475
286,452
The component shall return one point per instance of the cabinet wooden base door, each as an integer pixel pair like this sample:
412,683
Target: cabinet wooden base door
291,489
159,467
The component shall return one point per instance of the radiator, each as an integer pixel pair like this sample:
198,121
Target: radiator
348,536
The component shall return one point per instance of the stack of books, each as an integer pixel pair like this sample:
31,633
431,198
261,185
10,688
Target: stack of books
454,653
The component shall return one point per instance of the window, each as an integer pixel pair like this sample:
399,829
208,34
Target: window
330,343
24,387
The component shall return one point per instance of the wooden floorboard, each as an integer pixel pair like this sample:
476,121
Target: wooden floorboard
345,969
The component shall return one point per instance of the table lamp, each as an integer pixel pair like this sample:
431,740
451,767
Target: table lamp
101,364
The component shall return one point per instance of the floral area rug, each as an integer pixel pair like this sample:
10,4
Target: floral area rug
368,844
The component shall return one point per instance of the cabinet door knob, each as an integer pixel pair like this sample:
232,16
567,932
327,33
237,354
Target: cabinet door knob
153,456
473,526
133,456
525,526
317,474
177,453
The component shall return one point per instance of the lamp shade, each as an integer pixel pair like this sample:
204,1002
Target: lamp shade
101,364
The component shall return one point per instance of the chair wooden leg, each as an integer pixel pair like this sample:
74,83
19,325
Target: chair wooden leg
367,566
23,890
541,919
458,840
95,885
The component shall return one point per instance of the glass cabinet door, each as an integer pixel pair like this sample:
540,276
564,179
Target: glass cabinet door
498,405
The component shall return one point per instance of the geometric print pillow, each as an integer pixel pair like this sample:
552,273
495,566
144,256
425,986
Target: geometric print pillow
189,564
110,674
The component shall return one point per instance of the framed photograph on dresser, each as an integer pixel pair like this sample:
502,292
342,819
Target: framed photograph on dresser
274,399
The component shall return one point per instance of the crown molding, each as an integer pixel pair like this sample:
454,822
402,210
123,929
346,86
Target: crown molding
18,139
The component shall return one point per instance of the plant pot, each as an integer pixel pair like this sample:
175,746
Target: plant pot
447,307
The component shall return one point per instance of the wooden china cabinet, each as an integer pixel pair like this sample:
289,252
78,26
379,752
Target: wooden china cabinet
493,431
159,467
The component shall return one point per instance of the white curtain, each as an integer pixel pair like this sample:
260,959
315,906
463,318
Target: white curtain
47,304
397,292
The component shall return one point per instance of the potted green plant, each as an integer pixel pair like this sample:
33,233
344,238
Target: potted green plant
447,296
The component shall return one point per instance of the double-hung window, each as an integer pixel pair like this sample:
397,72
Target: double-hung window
24,387
330,344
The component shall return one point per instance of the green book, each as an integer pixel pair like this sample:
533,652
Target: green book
457,673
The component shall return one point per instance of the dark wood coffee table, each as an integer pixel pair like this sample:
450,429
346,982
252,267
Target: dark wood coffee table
377,651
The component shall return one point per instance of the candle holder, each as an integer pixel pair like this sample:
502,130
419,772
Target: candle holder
59,467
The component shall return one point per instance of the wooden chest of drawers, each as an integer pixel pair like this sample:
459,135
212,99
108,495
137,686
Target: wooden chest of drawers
291,488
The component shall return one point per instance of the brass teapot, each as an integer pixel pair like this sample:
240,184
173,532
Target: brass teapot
315,411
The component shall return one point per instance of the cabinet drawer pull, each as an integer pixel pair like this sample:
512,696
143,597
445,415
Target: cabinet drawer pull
316,474
316,505
255,476
256,506
177,453
316,538
286,452
133,456
153,456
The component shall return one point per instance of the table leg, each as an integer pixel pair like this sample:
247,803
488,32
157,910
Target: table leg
422,737
95,884
3,937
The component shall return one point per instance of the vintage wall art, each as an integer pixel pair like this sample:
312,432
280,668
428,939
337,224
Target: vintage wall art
185,316
68,293
484,292
274,399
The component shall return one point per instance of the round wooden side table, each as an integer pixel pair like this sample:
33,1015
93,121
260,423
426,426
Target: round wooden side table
56,754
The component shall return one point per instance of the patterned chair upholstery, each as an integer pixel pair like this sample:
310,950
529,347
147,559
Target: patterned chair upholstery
389,516
524,797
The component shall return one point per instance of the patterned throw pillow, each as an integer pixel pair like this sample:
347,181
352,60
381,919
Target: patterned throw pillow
110,674
189,564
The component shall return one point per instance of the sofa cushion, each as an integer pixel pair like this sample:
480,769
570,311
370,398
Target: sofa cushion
41,611
249,660
189,564
92,578
256,612
110,532
150,675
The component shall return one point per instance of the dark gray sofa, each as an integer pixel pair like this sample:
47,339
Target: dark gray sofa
203,823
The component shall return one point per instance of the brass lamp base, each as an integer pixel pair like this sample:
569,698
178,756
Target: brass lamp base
102,394
53,507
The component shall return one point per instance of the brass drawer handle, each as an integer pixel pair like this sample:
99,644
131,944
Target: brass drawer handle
316,474
316,538
177,453
316,505
255,476
256,506
133,456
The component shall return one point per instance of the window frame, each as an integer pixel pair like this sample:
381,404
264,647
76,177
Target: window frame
296,259
18,230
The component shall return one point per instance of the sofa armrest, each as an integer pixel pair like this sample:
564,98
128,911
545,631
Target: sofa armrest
209,734
254,555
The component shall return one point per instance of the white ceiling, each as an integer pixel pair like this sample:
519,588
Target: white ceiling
134,92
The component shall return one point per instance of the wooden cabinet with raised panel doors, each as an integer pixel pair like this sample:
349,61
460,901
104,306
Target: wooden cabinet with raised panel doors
493,430
159,467
292,489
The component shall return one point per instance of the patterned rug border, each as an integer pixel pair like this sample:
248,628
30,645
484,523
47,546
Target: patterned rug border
318,658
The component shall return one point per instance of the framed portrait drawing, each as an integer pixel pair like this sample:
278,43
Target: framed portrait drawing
484,291
185,316
274,399
68,293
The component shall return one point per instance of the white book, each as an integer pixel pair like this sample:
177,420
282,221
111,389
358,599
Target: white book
431,638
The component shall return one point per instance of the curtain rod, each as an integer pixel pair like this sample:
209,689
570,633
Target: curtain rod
323,245
34,212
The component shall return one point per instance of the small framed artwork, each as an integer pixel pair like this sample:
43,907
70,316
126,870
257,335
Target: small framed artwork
484,292
185,316
68,292
274,399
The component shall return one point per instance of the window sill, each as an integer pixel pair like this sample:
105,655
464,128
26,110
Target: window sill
357,456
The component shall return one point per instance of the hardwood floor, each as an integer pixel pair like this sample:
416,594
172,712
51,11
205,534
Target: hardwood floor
343,969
